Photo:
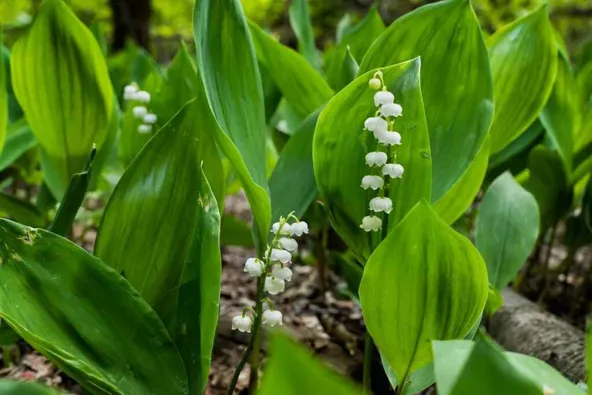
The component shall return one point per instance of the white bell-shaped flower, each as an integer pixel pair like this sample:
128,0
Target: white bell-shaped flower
388,138
272,317
139,111
282,256
242,322
391,110
394,170
376,124
374,182
150,118
276,227
376,158
299,228
254,267
374,83
371,223
383,98
281,273
288,244
143,96
143,129
379,204
274,285
129,92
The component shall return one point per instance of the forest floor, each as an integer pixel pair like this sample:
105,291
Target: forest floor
315,313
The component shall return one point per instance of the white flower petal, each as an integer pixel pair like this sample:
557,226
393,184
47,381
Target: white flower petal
143,129
254,267
394,170
242,323
374,182
376,158
288,244
139,111
143,96
272,317
388,138
274,285
299,228
391,110
276,227
379,204
150,118
383,98
282,256
371,223
282,273
376,124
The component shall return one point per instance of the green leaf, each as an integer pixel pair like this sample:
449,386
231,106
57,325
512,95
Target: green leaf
146,229
15,112
507,229
3,102
72,199
418,380
494,301
199,294
8,387
291,370
292,184
21,211
341,69
515,155
459,198
523,59
490,371
84,316
76,103
455,81
548,184
233,87
422,283
359,36
19,140
302,86
302,26
561,114
339,157
235,232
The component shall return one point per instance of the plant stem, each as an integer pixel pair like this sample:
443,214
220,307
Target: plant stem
366,380
254,377
253,342
546,264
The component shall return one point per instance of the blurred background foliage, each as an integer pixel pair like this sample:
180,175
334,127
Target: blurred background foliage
170,21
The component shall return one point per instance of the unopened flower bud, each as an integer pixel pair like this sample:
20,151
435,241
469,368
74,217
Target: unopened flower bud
374,83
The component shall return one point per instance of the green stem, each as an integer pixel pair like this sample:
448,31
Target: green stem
367,375
254,377
546,264
7,356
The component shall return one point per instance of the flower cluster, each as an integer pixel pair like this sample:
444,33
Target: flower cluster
140,99
381,125
274,269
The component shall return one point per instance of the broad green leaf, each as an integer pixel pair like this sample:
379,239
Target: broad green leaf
15,112
84,316
19,140
340,145
302,26
340,60
422,283
459,198
146,229
561,114
514,156
183,84
233,87
8,387
21,211
523,59
490,371
72,199
199,293
302,86
418,380
494,301
235,232
73,111
548,184
291,370
455,81
292,184
3,101
342,68
507,229
360,36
